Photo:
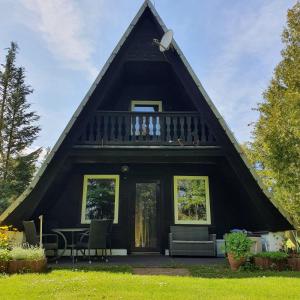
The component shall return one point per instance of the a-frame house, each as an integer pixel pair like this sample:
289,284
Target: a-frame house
147,148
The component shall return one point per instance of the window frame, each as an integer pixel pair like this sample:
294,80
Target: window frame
146,102
84,195
207,198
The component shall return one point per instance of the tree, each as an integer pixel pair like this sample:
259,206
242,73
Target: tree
6,81
275,150
18,130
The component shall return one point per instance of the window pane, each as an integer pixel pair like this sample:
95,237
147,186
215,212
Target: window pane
145,108
145,215
100,199
191,200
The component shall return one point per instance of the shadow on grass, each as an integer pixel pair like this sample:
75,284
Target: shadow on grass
92,268
200,271
223,271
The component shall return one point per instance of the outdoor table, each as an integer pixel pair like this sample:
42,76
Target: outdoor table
62,231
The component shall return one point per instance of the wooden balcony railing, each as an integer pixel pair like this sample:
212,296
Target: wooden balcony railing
142,128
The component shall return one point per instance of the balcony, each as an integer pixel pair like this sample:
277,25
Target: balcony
145,128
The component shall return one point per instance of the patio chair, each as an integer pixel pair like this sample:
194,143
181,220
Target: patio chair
33,239
96,238
191,241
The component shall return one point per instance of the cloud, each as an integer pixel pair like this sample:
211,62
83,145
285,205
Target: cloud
62,28
243,67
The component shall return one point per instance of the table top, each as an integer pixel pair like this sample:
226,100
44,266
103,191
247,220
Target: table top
75,229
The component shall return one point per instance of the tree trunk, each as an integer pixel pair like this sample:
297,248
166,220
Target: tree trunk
9,147
3,101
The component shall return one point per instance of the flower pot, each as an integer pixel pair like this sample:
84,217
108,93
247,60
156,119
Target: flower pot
294,263
3,266
22,266
263,262
235,263
266,263
279,265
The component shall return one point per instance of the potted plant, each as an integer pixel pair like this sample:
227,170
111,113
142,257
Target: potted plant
27,259
292,248
237,247
276,260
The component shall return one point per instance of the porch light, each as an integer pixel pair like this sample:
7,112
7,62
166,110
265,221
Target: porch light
125,169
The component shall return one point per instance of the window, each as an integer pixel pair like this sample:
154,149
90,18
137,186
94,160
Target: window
100,198
191,200
146,106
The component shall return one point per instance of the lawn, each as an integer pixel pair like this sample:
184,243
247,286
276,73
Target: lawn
119,283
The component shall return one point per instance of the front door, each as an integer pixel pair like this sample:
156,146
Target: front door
146,225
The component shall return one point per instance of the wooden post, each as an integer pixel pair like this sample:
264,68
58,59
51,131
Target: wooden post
41,231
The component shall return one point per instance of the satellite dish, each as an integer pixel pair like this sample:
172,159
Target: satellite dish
165,42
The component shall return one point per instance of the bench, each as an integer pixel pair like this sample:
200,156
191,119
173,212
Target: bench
191,241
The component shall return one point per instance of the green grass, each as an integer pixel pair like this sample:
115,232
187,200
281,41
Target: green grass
214,282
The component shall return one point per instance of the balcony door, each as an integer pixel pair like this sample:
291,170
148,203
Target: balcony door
146,216
146,106
146,122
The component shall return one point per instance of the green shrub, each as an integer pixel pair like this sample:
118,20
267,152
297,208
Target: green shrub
27,253
4,255
238,244
273,255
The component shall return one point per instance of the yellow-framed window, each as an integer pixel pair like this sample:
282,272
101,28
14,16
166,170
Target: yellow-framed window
100,198
191,200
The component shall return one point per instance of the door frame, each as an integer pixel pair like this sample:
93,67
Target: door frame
133,182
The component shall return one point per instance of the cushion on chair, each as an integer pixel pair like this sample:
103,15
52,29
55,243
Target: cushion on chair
193,242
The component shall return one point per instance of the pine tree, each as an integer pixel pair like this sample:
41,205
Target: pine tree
275,149
6,81
18,131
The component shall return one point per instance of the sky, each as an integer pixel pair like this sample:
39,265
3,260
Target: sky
233,47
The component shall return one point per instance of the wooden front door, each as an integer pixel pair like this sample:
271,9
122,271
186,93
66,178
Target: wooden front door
145,227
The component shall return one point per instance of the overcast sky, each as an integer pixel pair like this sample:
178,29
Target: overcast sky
233,46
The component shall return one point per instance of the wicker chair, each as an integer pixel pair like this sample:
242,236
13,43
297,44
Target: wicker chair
191,241
96,238
49,241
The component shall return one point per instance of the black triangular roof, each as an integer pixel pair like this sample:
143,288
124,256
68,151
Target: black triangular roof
236,147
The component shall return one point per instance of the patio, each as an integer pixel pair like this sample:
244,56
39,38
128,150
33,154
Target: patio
142,261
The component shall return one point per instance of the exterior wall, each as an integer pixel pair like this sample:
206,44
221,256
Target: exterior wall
227,204
170,96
